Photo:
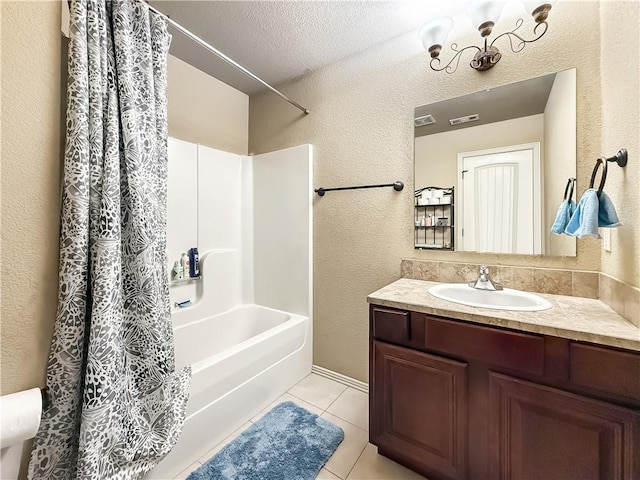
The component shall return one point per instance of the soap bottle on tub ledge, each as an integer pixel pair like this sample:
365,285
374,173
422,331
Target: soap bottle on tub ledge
194,262
178,271
184,260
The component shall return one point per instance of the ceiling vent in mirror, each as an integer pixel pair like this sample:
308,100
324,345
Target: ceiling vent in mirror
424,120
469,118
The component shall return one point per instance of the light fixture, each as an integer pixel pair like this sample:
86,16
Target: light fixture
484,14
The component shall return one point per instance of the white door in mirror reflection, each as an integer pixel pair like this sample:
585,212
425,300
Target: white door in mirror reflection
500,192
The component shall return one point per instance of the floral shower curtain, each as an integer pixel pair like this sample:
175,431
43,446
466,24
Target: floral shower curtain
117,403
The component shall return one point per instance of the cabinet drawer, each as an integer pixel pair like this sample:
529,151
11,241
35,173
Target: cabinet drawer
391,325
605,369
513,350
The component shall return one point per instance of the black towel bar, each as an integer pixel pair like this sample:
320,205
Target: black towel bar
397,186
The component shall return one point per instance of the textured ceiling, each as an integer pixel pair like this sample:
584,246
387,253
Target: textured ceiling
281,40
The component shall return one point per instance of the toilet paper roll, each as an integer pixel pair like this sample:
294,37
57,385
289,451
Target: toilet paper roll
19,416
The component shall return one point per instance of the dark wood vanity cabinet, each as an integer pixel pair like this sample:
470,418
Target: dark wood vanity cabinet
547,433
421,386
456,400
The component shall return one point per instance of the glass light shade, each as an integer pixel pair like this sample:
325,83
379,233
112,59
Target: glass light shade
482,11
436,31
531,5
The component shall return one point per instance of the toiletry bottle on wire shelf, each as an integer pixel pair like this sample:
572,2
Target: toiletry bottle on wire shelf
178,272
194,262
184,260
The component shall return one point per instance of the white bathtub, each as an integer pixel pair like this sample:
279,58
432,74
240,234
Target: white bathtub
241,361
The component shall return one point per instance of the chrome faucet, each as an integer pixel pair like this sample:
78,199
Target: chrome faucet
484,282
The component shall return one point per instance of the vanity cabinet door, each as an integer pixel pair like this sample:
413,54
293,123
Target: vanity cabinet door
419,410
540,432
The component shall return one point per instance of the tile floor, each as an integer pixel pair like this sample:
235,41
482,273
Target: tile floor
355,458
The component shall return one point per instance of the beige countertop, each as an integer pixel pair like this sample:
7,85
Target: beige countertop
575,318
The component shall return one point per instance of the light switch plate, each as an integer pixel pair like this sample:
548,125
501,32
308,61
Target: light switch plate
606,239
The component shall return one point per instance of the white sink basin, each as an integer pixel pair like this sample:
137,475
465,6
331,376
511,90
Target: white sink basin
506,299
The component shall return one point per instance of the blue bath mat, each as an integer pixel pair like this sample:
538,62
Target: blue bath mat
288,443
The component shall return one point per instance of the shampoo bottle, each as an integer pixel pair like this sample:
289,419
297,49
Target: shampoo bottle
194,262
184,260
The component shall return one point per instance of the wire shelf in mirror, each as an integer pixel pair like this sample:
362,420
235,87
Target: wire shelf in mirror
434,218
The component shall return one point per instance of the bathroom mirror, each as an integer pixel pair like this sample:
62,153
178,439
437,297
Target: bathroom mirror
491,168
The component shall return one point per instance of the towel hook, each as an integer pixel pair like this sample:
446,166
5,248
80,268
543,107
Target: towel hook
601,161
570,184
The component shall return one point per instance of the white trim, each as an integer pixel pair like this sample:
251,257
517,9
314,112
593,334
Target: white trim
65,19
459,205
340,378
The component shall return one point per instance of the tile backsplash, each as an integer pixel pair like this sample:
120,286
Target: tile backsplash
540,280
620,296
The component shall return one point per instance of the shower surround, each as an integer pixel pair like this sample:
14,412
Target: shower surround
247,333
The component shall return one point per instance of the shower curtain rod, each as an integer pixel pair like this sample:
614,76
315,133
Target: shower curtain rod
221,55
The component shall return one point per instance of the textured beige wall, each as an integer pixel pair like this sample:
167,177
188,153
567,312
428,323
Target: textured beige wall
620,66
362,131
30,162
204,110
